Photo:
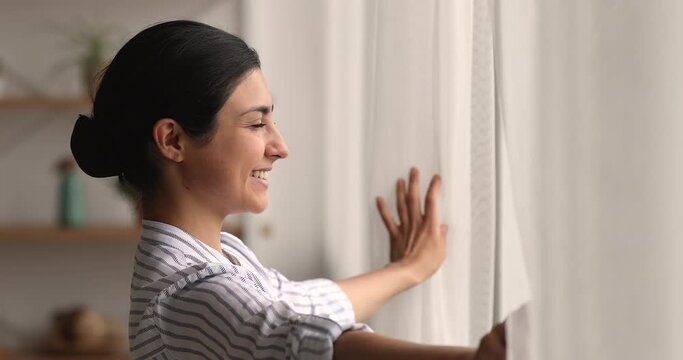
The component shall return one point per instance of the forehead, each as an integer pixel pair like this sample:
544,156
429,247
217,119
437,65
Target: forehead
251,92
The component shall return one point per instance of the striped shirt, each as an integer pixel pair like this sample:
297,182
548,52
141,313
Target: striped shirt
189,301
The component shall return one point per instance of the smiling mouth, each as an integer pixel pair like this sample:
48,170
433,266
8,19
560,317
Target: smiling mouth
260,174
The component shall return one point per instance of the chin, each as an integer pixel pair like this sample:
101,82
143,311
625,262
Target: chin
259,208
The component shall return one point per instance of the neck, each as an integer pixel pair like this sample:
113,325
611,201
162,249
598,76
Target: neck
184,213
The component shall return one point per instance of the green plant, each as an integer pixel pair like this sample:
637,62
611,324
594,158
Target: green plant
92,55
90,47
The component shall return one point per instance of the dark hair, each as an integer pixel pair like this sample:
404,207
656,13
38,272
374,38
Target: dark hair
182,70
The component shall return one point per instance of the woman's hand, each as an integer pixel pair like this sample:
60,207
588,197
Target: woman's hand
493,345
418,241
418,247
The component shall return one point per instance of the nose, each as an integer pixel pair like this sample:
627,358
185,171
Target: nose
277,147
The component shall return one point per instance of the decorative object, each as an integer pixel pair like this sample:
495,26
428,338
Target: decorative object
80,330
71,199
93,45
92,60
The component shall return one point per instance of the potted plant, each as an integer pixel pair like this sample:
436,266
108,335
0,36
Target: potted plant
90,48
92,60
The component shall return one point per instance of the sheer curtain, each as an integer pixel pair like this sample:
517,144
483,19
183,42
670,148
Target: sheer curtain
417,114
590,106
411,83
391,84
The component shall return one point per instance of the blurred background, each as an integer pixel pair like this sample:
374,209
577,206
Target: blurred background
66,240
555,126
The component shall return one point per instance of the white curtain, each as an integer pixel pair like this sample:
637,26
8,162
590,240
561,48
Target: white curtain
590,100
418,114
412,83
390,84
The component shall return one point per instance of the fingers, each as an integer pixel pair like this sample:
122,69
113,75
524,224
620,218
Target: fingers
413,197
401,204
492,346
490,350
432,201
387,218
499,332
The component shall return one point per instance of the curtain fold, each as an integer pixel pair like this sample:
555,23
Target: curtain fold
346,212
483,174
591,95
366,90
412,120
419,107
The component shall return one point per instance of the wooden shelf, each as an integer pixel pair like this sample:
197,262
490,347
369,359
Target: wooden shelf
54,233
44,103
100,233
21,356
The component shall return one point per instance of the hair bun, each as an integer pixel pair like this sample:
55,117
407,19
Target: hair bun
93,147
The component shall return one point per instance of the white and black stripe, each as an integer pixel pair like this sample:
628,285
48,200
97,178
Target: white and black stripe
188,301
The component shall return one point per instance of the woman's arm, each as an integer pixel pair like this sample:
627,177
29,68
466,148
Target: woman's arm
365,345
369,291
360,345
417,248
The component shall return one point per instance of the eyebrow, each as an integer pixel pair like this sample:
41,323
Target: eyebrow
264,109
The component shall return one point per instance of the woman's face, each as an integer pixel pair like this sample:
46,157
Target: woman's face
230,173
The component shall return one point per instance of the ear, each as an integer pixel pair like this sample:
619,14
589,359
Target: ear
169,139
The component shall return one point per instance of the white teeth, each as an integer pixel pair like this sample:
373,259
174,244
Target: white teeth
261,174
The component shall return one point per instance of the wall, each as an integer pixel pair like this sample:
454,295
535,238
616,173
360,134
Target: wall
38,277
290,42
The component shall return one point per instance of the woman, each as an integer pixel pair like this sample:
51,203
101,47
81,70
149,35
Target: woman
184,116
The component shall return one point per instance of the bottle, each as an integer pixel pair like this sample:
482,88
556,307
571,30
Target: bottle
71,199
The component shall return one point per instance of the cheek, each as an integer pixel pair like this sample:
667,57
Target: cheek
232,162
250,153
209,174
208,168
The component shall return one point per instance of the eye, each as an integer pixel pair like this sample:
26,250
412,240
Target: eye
257,126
